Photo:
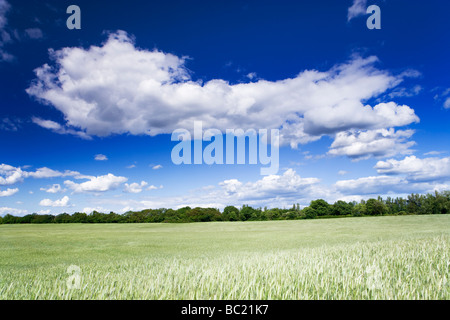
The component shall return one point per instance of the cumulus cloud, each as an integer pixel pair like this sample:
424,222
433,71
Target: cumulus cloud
357,9
64,202
131,86
386,184
372,143
101,157
97,184
43,173
277,190
10,175
12,211
410,175
8,192
157,167
53,189
89,210
135,187
416,169
447,103
371,185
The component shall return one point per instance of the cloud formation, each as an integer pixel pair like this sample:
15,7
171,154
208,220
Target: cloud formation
64,202
372,143
101,157
8,192
131,86
357,9
135,187
5,37
56,188
416,169
96,184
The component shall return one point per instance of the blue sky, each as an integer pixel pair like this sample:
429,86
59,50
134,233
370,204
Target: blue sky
86,115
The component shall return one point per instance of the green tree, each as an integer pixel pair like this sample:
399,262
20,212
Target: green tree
341,208
63,218
375,207
79,217
359,210
321,207
230,213
246,212
309,213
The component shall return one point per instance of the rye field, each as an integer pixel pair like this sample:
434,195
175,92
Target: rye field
400,257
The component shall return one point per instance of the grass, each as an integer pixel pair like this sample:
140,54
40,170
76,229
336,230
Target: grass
403,257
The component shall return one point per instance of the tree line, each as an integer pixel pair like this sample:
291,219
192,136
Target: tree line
414,204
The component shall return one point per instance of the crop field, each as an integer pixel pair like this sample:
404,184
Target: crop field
401,257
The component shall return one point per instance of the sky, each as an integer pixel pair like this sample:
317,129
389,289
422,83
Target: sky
87,115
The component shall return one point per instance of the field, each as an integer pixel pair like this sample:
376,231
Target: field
402,257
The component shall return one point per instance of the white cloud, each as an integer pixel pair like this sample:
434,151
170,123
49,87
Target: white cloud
4,35
404,92
44,211
371,185
89,210
10,175
54,189
135,187
114,101
372,143
447,103
12,211
277,190
57,128
34,33
64,202
45,172
8,124
157,167
416,169
357,9
8,192
97,184
434,153
342,172
101,157
4,8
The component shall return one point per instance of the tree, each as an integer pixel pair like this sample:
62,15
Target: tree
359,210
10,219
375,207
341,208
230,213
321,207
246,212
79,217
63,218
309,213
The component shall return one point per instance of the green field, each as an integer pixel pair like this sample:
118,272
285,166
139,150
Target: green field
402,257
